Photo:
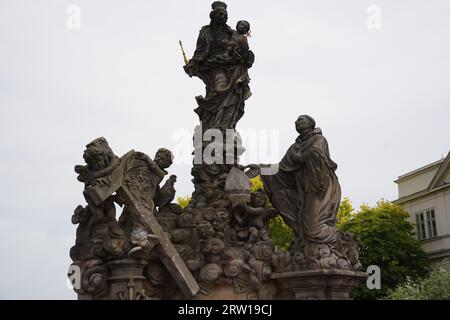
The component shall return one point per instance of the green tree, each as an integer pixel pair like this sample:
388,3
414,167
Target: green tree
434,287
386,239
345,212
281,234
183,202
257,183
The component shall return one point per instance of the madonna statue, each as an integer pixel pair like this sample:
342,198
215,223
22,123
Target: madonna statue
221,60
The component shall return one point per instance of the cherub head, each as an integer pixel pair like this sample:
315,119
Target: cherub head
243,27
98,155
258,199
163,158
205,229
220,220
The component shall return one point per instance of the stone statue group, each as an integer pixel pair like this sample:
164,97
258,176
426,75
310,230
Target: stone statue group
220,241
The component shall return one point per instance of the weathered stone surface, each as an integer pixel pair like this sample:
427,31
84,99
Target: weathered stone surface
237,187
321,284
229,243
307,194
126,279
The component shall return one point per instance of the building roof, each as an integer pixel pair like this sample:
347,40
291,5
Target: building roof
419,170
441,174
436,183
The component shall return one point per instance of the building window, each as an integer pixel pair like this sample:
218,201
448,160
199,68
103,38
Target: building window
426,224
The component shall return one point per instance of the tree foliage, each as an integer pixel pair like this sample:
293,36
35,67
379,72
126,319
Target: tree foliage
345,212
257,183
434,287
281,234
386,239
183,202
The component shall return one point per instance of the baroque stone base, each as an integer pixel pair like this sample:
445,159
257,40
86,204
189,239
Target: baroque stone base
222,292
120,280
126,280
321,284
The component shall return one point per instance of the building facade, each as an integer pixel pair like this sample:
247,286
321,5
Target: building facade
425,194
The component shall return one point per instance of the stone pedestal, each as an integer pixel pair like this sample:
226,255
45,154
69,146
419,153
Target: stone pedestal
222,292
321,284
126,280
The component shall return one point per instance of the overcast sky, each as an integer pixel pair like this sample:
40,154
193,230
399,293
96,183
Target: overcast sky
380,95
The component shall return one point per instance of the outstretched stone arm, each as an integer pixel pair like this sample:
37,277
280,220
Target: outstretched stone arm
200,55
269,212
154,167
86,175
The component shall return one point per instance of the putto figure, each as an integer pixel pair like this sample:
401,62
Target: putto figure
238,48
221,61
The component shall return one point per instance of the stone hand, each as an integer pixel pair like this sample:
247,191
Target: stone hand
83,173
253,171
188,69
